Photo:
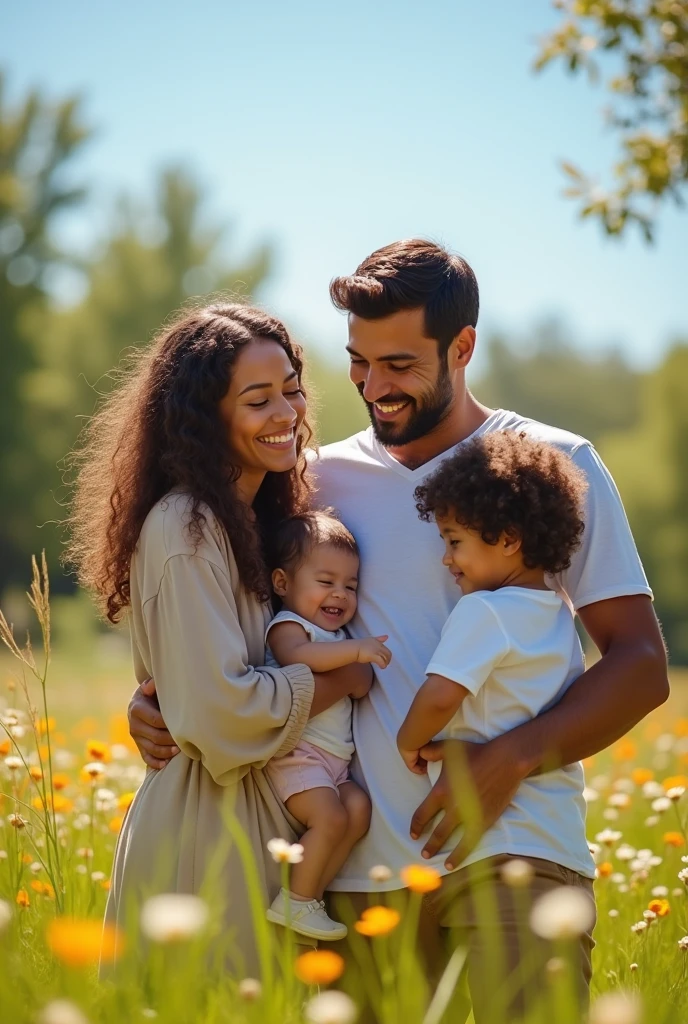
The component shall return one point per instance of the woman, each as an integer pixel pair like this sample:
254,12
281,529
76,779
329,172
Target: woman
184,473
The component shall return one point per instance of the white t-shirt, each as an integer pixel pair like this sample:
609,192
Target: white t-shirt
407,593
331,729
516,651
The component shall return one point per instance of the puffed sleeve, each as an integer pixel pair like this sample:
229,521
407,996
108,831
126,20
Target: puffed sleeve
218,708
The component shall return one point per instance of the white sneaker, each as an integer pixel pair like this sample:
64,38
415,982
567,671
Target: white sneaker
307,918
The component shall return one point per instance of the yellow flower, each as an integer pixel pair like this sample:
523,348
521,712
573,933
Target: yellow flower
642,775
675,780
97,751
681,727
60,780
46,725
35,772
105,884
659,907
319,967
79,943
23,898
605,869
420,878
625,750
673,839
378,921
115,825
43,888
125,801
58,803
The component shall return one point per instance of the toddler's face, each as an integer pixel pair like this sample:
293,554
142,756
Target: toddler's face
475,564
323,588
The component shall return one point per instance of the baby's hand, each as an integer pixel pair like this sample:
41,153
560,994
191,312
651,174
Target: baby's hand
414,762
372,651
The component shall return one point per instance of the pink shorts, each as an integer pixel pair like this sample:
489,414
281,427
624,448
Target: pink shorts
306,767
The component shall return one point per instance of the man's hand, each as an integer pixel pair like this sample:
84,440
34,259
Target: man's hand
147,727
364,679
414,761
372,651
485,777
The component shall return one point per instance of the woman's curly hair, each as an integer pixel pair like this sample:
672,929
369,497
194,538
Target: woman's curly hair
161,429
508,483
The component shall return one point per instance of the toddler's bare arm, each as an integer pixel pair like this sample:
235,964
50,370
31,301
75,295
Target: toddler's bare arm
290,645
432,709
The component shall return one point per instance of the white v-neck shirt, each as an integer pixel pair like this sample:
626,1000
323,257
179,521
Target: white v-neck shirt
407,593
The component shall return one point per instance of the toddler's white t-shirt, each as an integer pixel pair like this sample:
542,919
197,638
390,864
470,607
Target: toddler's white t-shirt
332,728
516,651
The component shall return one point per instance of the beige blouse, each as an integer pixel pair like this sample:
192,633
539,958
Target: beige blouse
200,635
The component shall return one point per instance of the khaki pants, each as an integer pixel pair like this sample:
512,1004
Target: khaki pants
506,965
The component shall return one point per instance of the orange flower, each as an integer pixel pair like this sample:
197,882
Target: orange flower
605,869
319,967
27,858
44,888
419,878
105,884
5,747
378,921
642,775
660,907
97,751
673,839
35,772
625,750
79,943
60,780
119,732
58,803
43,752
125,801
23,898
115,825
675,780
681,727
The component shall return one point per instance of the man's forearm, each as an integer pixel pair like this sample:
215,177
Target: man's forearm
340,682
599,707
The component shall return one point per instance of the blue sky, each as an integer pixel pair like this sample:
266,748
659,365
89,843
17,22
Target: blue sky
333,128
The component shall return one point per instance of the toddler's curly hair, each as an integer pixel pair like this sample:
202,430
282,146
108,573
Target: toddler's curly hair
508,483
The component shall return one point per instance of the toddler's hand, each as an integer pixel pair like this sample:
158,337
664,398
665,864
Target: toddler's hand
414,762
372,651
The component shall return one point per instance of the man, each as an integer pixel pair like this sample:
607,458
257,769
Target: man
412,312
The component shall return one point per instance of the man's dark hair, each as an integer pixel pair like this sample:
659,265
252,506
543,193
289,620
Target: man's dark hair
508,483
413,274
297,536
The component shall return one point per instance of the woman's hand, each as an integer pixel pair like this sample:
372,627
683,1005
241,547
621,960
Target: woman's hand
147,727
477,783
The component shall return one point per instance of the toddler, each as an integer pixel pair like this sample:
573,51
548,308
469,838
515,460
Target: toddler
509,510
316,580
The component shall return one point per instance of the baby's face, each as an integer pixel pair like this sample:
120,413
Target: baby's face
323,588
475,564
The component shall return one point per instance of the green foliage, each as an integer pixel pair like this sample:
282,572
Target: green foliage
645,43
545,376
38,139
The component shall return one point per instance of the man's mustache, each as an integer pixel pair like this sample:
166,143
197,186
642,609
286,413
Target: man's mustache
387,400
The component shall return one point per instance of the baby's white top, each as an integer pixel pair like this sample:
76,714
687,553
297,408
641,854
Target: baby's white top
516,651
331,729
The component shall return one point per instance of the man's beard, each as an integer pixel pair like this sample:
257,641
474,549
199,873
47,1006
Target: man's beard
425,414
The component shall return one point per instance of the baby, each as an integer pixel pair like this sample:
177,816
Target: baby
316,580
510,512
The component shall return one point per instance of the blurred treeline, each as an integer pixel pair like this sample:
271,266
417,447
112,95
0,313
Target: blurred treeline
55,360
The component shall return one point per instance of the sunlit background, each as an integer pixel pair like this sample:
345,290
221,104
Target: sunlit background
153,152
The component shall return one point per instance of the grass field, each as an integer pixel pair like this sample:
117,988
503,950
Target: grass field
68,775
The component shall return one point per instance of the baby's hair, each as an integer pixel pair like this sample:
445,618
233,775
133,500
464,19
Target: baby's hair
297,536
508,483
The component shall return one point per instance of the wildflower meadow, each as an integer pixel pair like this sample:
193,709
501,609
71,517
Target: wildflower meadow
68,776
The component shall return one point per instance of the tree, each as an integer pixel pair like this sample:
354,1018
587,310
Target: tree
545,376
647,44
650,465
38,140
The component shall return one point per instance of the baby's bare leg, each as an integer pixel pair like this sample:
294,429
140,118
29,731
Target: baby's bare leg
326,820
358,809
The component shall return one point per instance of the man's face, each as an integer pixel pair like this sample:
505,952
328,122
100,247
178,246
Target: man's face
407,389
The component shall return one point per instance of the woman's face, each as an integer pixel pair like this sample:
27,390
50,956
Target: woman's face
262,412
